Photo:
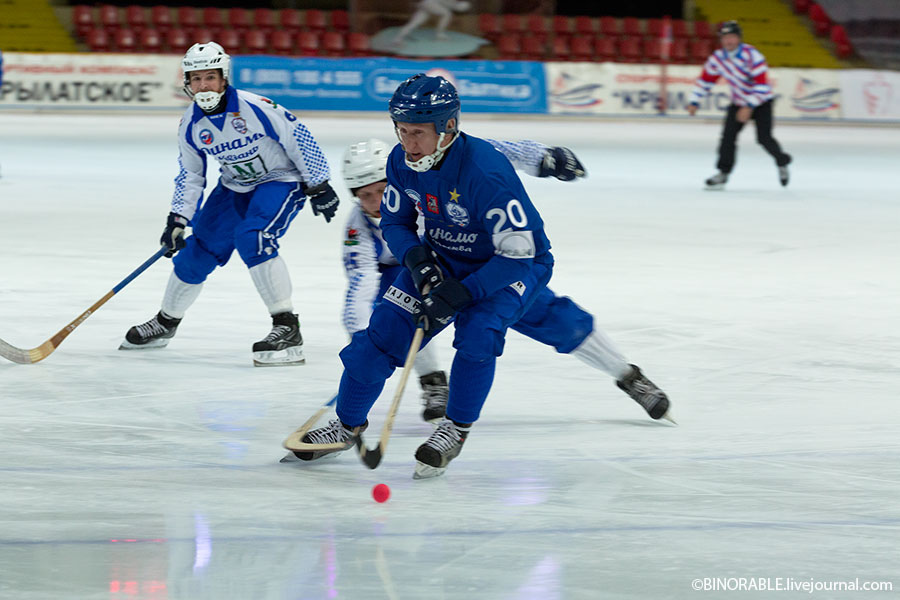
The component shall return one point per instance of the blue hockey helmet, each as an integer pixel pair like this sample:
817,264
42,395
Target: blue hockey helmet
426,99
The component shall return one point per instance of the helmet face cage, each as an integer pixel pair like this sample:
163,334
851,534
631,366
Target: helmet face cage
202,57
364,163
727,27
424,99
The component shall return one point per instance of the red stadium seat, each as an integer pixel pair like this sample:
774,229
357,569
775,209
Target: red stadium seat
609,27
630,49
679,51
239,18
700,51
315,20
82,19
562,26
509,47
631,27
680,28
340,20
801,7
821,22
187,18
231,40
125,40
308,43
703,31
151,41
584,26
98,40
605,49
264,20
211,18
333,43
109,17
841,41
652,50
537,27
161,19
358,44
560,49
582,48
655,28
490,26
291,19
135,18
282,42
513,24
201,35
177,40
532,48
256,41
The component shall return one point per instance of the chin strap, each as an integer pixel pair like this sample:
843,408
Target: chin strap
426,162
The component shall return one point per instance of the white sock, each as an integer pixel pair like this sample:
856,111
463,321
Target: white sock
427,360
598,351
273,283
179,296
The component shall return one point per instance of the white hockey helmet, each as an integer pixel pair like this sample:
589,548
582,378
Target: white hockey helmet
364,163
201,57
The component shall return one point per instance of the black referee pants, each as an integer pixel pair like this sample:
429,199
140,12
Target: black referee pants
762,114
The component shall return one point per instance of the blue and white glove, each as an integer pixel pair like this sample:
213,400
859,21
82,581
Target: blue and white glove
561,163
173,237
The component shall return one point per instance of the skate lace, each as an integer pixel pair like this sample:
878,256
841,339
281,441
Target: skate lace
434,395
277,332
645,394
445,437
151,328
332,433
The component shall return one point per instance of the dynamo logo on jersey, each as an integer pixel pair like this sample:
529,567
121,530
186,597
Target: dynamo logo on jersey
206,136
457,213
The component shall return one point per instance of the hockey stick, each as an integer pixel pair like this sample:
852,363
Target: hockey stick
372,458
295,440
25,357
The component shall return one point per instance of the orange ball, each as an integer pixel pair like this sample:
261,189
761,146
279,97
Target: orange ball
381,492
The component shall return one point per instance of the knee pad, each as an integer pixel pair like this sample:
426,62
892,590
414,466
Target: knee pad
366,360
194,262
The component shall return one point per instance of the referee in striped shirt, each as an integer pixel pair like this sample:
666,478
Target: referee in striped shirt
744,69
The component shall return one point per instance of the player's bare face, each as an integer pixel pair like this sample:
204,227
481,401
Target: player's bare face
417,139
730,41
370,198
210,80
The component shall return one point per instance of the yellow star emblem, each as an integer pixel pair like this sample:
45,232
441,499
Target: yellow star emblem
454,196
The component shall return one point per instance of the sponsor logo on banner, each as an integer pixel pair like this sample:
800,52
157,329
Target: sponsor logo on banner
877,94
432,203
239,125
457,214
810,96
568,90
206,136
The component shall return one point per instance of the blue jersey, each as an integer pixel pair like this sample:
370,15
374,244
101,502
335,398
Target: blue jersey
478,217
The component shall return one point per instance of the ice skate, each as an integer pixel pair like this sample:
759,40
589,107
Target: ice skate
284,344
784,175
645,393
333,433
444,445
155,333
717,181
434,395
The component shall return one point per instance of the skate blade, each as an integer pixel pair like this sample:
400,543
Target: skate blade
715,188
424,471
126,345
279,358
669,418
290,457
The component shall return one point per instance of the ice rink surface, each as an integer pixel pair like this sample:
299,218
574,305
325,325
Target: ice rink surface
769,315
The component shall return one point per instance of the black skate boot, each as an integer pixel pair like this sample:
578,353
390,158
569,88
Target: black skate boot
784,175
333,433
155,333
284,344
444,445
434,395
645,393
717,181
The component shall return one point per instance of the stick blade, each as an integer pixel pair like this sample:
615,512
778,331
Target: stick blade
370,458
17,355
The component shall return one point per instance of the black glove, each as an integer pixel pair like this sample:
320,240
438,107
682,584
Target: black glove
561,163
424,270
173,237
439,307
323,200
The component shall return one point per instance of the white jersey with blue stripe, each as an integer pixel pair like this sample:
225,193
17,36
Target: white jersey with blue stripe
254,140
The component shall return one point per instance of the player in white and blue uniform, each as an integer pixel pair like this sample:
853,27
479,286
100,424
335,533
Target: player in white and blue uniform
484,264
270,164
371,267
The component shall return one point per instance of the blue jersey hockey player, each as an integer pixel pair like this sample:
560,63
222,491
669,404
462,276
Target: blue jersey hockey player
484,264
270,164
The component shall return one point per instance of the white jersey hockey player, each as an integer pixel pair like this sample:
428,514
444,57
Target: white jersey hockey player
270,164
369,263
